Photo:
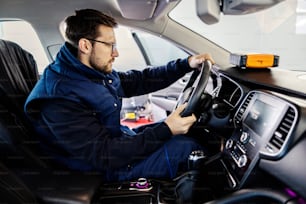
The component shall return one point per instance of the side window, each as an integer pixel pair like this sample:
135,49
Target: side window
158,51
138,49
22,33
130,56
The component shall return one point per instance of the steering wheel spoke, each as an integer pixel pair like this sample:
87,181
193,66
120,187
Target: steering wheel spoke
194,90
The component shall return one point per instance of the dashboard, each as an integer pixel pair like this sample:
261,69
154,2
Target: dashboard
263,126
266,126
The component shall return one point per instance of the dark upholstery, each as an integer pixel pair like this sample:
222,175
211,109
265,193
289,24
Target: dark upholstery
28,175
18,75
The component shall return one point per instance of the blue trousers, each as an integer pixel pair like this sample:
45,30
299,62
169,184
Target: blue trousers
166,162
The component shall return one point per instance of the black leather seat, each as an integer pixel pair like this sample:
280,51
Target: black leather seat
18,75
27,175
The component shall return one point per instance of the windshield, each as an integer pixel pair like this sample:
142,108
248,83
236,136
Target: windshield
279,30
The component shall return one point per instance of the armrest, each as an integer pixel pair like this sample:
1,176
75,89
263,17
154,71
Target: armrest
63,186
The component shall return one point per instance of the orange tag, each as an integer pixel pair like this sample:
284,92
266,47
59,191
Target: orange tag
260,61
254,60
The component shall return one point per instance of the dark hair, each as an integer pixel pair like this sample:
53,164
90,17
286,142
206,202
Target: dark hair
84,24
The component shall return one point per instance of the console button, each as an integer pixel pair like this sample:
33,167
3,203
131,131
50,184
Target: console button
242,161
244,138
229,144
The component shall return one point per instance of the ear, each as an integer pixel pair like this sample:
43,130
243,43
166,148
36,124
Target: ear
85,46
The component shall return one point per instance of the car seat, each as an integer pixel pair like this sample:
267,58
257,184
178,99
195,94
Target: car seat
27,174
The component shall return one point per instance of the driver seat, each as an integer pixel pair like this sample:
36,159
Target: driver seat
29,172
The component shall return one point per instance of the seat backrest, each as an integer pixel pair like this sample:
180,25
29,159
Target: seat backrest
18,75
26,170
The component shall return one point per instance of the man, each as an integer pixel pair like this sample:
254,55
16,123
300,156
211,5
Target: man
75,107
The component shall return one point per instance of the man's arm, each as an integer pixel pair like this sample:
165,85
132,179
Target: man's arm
152,79
136,82
77,129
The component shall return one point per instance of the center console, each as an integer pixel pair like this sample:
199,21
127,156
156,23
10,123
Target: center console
138,191
185,188
263,125
182,189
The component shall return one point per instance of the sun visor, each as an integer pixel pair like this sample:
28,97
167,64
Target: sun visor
137,9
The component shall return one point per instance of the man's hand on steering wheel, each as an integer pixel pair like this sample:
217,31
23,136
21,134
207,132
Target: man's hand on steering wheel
196,61
178,124
183,117
193,93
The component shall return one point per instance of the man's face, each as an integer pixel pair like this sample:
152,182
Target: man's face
103,53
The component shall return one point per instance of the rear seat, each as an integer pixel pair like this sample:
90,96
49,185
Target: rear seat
27,175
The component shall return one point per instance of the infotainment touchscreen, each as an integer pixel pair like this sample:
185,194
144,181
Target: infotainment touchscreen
261,117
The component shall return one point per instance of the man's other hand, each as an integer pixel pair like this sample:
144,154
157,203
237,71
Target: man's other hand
178,124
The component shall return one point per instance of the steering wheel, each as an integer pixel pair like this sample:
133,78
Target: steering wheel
193,92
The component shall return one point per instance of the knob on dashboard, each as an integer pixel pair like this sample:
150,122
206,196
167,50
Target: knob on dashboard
229,144
244,138
242,161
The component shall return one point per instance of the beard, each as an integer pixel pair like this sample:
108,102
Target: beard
105,68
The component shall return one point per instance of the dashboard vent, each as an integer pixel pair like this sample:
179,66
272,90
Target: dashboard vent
283,129
243,107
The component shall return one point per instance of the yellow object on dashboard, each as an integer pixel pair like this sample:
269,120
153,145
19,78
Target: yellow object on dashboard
254,60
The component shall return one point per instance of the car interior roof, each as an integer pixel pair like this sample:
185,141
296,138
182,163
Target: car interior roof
51,13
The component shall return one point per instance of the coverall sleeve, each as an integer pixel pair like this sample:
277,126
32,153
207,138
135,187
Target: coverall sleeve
136,82
77,129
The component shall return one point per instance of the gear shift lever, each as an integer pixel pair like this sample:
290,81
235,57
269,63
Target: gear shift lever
196,160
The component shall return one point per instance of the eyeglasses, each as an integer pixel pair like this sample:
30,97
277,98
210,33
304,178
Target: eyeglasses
113,45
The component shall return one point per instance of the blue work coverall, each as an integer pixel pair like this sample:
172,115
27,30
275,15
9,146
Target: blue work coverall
76,112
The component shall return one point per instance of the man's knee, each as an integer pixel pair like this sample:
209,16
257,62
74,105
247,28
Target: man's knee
183,142
181,146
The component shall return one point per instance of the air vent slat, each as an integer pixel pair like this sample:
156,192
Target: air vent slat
243,107
282,131
277,143
279,139
288,120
